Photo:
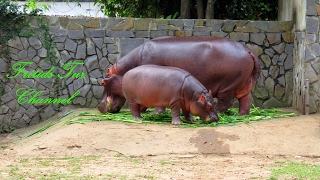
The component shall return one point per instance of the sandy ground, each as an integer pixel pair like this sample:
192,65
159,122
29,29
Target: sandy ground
246,151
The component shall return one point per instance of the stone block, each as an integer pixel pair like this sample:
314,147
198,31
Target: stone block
288,37
188,24
4,109
104,63
24,42
112,21
31,52
285,26
289,79
125,24
311,8
109,40
279,48
142,34
99,53
93,23
94,33
312,24
274,38
279,92
70,45
142,24
309,54
77,83
97,91
128,44
274,71
3,67
122,34
261,93
178,23
228,26
310,73
275,59
282,81
201,33
255,48
112,48
75,34
47,113
171,27
266,60
31,111
84,90
42,53
6,98
199,22
74,26
257,38
112,58
155,34
316,67
91,62
91,48
316,49
219,34
81,51
23,54
239,36
311,38
95,74
35,43
98,42
16,43
269,85
272,103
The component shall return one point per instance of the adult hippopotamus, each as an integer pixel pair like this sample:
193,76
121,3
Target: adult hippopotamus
226,67
160,86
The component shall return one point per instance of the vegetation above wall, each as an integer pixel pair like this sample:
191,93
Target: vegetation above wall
191,9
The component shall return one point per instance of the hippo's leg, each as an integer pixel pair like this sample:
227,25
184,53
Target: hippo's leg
225,101
159,110
143,109
245,104
135,110
175,113
187,115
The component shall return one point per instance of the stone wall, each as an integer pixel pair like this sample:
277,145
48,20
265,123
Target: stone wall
312,53
98,43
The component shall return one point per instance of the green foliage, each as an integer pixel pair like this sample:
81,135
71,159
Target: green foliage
294,170
139,8
35,7
227,9
229,118
247,9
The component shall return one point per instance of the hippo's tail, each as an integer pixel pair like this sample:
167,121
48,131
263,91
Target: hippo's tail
256,65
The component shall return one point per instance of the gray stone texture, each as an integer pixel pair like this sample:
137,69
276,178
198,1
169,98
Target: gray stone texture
312,24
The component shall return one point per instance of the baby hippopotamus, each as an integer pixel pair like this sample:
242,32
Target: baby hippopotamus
164,86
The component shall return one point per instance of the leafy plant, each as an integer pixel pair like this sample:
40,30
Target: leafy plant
229,118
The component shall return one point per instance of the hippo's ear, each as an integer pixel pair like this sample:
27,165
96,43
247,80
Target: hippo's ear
104,82
202,98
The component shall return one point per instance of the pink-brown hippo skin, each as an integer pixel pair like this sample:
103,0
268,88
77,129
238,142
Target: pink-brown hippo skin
225,67
163,86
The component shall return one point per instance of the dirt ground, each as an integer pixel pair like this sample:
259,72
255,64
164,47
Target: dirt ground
140,151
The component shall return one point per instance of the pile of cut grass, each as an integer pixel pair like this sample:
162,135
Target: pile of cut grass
231,117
